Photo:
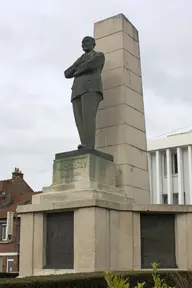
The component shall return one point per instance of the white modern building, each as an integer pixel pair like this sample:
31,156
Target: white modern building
170,169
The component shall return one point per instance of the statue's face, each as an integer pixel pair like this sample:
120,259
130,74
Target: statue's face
88,44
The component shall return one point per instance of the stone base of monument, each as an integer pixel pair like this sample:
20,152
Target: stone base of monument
66,228
82,175
83,223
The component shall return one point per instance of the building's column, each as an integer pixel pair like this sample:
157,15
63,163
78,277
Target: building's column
190,174
158,177
169,177
120,119
150,176
180,175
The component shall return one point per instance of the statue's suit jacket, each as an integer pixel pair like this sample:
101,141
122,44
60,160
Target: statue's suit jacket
87,74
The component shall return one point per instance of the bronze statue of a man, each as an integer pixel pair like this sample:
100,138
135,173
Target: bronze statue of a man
87,91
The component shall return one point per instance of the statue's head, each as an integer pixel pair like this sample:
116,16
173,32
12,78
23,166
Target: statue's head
88,43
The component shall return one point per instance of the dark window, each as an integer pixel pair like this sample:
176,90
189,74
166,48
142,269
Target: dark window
165,199
17,239
174,163
3,226
158,240
175,199
1,263
10,264
165,164
60,246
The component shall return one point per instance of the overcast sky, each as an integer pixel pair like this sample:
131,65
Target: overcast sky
40,38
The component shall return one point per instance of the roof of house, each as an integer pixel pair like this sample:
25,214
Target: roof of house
14,192
23,200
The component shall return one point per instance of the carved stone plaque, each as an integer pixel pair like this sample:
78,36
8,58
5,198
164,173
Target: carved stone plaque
158,240
60,242
70,170
82,169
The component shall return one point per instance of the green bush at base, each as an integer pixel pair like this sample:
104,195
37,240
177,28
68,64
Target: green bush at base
117,281
8,275
101,280
88,280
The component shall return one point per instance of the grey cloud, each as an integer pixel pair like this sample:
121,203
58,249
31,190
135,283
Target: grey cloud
29,146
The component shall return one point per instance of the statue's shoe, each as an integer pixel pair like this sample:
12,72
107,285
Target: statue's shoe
84,146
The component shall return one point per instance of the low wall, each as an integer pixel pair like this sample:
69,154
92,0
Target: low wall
98,236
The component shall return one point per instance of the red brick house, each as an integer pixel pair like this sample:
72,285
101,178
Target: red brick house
13,192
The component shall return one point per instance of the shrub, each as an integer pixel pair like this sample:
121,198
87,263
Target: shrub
117,281
183,282
8,275
96,280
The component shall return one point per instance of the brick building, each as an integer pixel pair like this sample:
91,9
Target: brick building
13,192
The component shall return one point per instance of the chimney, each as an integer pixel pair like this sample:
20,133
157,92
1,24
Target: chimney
17,173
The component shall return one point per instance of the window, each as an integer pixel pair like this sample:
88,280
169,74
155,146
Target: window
165,164
3,227
165,199
175,198
1,264
184,198
10,264
174,163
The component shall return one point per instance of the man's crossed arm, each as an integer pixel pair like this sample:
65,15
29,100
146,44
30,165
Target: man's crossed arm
69,73
91,64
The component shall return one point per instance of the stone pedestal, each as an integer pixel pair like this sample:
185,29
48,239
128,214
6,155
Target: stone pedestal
68,224
82,175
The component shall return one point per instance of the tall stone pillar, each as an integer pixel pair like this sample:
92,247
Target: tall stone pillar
120,119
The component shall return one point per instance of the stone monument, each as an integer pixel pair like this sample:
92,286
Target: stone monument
85,221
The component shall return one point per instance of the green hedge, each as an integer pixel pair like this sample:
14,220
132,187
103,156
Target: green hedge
86,280
8,275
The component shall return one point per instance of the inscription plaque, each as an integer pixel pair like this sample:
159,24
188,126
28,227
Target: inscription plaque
70,170
83,170
158,240
60,242
73,164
